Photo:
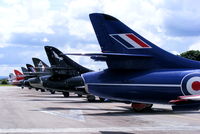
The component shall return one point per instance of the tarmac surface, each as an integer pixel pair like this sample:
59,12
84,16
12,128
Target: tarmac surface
25,111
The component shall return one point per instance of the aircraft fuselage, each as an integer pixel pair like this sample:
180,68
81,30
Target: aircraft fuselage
154,86
62,85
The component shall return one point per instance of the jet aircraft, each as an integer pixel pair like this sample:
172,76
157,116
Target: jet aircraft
16,79
25,82
139,71
40,69
65,76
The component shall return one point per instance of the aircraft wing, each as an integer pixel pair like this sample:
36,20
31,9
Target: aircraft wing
128,61
189,102
34,74
110,56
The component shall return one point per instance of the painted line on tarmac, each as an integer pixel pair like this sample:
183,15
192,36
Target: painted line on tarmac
73,114
86,130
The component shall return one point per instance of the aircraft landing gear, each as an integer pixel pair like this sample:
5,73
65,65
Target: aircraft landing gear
139,107
101,99
65,94
52,92
42,90
91,98
79,95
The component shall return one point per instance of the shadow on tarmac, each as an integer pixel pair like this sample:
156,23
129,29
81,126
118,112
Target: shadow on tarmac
48,100
49,96
84,101
130,112
94,109
125,111
120,111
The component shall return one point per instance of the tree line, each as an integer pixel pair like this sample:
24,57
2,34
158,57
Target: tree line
192,54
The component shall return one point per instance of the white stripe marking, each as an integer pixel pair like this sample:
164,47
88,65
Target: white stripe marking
130,41
143,85
86,130
119,41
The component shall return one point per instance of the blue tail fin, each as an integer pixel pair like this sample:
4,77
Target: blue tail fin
115,37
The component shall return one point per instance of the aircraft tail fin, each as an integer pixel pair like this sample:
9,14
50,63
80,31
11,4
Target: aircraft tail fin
30,68
24,70
19,75
115,37
40,66
59,61
11,76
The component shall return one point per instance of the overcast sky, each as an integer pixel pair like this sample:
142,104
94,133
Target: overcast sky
26,26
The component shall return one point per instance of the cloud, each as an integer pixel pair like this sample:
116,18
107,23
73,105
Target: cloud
21,54
181,19
27,26
175,52
21,16
1,56
195,46
2,45
5,69
76,14
45,40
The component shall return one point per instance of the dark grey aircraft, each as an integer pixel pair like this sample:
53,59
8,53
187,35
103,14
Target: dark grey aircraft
40,69
65,74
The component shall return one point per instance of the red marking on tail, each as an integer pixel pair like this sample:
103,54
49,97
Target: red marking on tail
137,40
19,75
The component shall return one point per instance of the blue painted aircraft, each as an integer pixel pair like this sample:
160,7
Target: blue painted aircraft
139,71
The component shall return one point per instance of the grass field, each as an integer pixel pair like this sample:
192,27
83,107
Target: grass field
5,85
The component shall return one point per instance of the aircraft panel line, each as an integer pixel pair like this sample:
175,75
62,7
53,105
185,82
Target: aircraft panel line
145,85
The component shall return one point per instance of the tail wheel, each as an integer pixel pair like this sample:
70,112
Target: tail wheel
91,98
42,90
79,95
66,94
52,92
138,107
101,99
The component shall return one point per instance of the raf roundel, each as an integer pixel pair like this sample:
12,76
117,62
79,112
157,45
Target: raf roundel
190,84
